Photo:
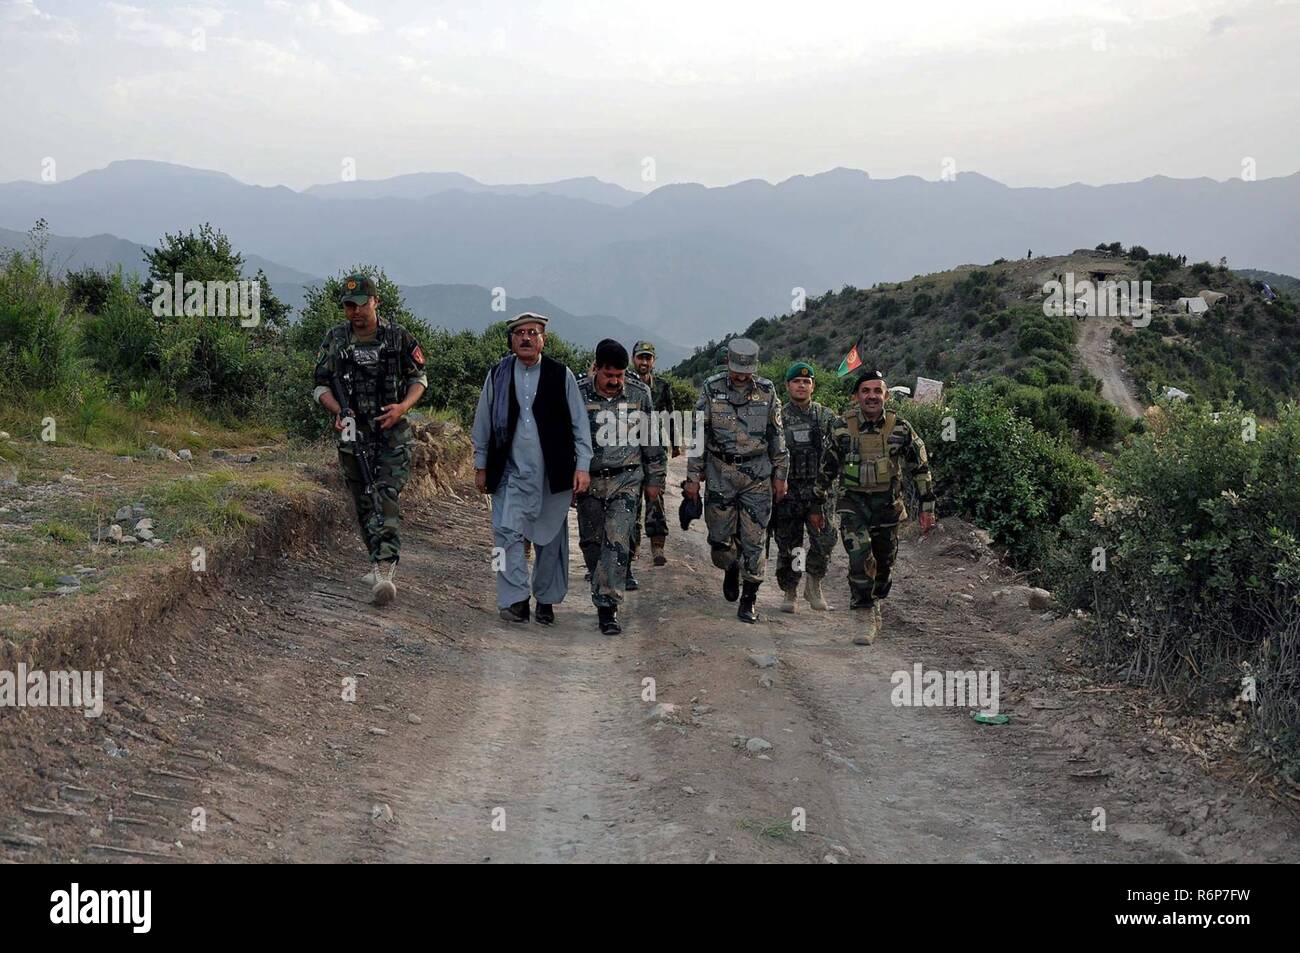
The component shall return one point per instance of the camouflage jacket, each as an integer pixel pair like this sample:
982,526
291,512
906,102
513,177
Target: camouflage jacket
741,423
905,446
807,435
620,430
661,396
375,372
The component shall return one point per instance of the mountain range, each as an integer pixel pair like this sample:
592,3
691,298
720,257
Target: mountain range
685,262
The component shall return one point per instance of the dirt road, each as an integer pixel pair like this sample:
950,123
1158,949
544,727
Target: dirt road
471,740
1097,352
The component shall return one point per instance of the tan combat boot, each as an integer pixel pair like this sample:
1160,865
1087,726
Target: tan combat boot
870,629
880,622
384,590
787,604
371,577
812,591
657,551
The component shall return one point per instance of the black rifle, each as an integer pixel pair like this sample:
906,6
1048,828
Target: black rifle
359,444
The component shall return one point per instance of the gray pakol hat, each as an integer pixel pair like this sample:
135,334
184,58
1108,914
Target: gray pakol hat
742,356
527,317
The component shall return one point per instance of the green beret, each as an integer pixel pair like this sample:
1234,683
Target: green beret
799,369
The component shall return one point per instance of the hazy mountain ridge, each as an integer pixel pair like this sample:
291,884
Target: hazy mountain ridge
690,261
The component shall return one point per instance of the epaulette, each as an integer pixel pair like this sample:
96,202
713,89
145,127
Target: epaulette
636,382
710,381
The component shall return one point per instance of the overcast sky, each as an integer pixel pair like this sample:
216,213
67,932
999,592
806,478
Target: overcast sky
278,92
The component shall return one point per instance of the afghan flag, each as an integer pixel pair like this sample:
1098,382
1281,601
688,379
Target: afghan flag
852,361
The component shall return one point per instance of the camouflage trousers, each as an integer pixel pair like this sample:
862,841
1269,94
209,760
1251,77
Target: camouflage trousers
656,520
606,520
789,520
869,530
391,468
737,507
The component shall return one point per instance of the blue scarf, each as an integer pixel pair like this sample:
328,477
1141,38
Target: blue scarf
502,377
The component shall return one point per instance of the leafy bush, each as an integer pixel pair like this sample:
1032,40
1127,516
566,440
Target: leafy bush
39,338
999,471
1200,530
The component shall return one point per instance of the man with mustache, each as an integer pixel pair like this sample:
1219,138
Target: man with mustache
744,466
532,449
626,461
866,455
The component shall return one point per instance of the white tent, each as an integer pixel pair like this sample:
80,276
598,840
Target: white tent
1197,305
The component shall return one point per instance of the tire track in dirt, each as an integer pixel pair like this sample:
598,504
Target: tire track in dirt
458,713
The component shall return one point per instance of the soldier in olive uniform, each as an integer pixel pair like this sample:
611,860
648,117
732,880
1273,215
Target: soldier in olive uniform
381,368
868,450
661,396
744,466
625,461
808,427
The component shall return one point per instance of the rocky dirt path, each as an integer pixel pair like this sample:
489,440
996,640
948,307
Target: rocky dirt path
1097,352
471,740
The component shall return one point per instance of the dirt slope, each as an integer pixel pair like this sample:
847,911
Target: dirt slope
1097,352
461,720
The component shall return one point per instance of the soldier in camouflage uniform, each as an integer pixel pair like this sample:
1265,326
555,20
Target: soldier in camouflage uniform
808,426
661,395
744,466
625,461
866,456
381,367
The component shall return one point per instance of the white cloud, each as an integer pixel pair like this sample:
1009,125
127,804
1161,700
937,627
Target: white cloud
26,17
342,19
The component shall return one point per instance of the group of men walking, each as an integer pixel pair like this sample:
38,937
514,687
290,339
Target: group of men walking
545,441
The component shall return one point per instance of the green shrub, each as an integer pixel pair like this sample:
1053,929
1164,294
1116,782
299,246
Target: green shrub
1000,472
1199,528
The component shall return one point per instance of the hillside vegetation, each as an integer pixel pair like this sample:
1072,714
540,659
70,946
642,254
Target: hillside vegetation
1177,534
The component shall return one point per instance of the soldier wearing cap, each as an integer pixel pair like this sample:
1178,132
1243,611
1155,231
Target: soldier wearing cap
661,395
532,448
868,450
625,463
744,467
382,368
808,426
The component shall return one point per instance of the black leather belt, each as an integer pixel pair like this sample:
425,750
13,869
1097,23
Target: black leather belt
612,471
739,457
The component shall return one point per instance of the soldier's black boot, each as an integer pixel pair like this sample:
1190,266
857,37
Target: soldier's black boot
516,613
545,613
746,611
608,616
731,582
632,584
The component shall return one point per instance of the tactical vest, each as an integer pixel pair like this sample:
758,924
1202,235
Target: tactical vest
869,467
805,455
372,371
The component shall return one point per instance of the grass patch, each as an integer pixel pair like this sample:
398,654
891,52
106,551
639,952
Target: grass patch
110,426
59,531
777,828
